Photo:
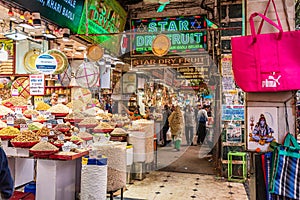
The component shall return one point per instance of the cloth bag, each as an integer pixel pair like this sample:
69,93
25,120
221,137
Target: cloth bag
285,173
266,62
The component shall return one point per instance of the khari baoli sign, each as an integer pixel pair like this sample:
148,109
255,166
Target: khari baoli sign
178,29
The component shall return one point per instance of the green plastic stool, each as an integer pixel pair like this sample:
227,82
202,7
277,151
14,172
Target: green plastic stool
244,163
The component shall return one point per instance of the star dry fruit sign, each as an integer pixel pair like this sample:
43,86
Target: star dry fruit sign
103,17
178,29
65,13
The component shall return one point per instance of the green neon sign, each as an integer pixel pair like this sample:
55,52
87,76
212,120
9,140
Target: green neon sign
183,40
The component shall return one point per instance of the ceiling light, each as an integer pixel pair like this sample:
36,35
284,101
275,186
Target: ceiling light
16,36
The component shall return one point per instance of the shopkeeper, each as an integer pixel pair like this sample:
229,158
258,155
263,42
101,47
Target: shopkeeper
135,115
54,100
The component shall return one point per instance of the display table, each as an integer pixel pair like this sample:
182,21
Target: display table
55,179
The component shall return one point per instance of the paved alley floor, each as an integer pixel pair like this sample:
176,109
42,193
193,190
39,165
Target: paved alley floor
159,185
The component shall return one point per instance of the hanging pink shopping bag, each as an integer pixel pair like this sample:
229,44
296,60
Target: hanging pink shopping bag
267,62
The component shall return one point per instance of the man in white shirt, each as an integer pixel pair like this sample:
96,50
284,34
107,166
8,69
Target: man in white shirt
202,119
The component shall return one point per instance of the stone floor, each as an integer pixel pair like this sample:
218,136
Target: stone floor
159,185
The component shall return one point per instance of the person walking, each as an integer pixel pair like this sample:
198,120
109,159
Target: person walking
189,119
6,180
176,126
166,114
202,119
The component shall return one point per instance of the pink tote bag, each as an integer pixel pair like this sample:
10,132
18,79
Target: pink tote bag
267,62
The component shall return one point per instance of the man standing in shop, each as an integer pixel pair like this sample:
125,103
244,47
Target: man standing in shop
166,113
6,180
202,119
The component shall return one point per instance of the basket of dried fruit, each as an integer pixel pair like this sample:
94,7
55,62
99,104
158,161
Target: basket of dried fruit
43,149
8,133
25,139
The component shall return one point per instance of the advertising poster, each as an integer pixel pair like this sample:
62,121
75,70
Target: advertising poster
262,125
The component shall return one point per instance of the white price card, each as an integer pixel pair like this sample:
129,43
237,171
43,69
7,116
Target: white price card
60,121
51,117
51,133
61,137
89,142
29,107
44,123
23,127
49,125
33,117
10,121
82,129
44,139
18,110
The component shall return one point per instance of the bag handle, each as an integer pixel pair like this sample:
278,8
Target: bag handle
253,33
277,17
290,139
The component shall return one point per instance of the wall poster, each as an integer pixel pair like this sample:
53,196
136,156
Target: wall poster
262,127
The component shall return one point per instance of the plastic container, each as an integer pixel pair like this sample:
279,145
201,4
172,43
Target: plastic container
30,187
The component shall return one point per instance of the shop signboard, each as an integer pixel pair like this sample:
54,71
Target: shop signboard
103,17
233,113
187,34
65,13
37,84
187,60
192,72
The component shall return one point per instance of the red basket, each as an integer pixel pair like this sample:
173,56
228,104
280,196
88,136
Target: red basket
7,137
88,125
42,154
63,129
73,120
103,130
24,144
86,138
27,116
60,114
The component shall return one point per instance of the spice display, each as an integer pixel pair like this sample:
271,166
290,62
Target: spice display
16,101
31,112
118,132
116,154
76,105
59,108
61,126
2,124
75,115
43,132
42,106
88,121
9,131
26,136
19,121
44,146
84,135
104,125
4,110
75,138
104,116
35,126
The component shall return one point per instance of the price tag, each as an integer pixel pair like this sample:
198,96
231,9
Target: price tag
44,123
29,107
23,127
33,117
29,122
44,139
14,92
90,142
66,148
82,129
10,121
75,133
61,137
18,110
60,121
51,133
19,116
51,117
49,125
47,114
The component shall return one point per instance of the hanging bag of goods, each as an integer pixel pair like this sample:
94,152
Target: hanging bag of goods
285,172
266,62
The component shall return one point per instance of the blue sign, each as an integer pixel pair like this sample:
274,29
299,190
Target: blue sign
233,112
46,64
